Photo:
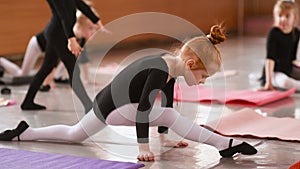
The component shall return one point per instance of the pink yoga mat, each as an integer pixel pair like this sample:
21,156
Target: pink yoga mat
186,93
295,166
248,123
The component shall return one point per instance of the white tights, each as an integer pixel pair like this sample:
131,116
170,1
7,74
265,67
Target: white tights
61,71
33,51
281,80
125,116
87,126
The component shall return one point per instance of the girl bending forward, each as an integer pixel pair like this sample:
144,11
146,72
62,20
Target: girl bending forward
129,101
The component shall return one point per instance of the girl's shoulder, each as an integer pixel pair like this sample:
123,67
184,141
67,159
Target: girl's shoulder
274,32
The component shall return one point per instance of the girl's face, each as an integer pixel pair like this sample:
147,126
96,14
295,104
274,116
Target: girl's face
285,20
196,76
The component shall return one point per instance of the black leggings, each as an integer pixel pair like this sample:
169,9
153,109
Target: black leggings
50,61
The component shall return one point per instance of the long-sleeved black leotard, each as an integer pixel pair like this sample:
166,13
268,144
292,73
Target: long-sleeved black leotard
139,83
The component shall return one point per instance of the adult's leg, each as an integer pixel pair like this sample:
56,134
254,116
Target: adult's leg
281,80
169,117
69,61
86,127
47,66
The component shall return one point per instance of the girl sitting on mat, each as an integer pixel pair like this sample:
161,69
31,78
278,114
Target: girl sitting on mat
129,101
281,69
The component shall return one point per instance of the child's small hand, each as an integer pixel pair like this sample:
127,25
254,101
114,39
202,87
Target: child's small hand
267,88
74,47
145,153
146,156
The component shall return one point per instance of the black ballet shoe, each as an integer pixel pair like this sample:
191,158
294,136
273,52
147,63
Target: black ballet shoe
8,135
243,148
32,106
45,88
61,80
6,91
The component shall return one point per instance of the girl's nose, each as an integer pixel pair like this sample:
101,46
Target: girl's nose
283,19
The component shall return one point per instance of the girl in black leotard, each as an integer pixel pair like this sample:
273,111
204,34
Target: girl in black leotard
281,69
129,101
61,43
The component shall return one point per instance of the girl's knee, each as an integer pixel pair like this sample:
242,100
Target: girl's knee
75,138
281,80
75,135
287,84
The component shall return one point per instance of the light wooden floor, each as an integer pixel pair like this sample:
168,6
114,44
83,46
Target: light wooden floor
245,55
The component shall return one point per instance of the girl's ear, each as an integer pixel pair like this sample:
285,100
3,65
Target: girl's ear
190,63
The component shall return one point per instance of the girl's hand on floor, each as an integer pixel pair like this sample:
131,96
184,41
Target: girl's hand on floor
146,156
267,88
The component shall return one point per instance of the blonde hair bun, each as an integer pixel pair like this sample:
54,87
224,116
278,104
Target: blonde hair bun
216,35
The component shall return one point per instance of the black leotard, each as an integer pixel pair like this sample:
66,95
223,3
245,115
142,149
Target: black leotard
282,49
139,83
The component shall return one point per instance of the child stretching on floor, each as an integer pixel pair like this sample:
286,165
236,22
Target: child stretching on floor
129,101
281,69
